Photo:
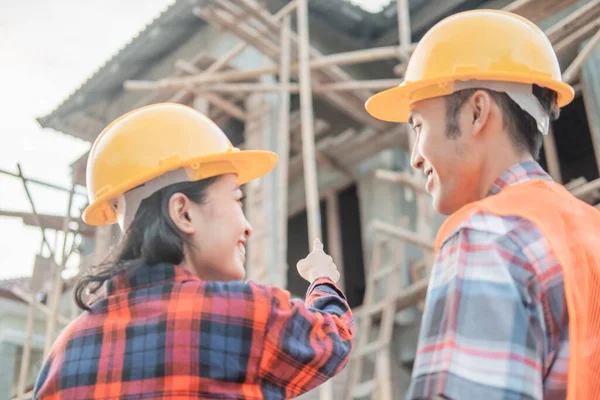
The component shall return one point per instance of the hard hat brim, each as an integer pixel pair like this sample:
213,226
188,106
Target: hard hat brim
247,165
393,105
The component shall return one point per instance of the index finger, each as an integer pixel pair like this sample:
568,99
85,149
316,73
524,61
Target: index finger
317,245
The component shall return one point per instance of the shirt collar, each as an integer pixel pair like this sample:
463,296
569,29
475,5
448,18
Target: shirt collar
148,276
518,173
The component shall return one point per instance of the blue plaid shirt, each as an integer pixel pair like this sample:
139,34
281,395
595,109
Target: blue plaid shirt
495,323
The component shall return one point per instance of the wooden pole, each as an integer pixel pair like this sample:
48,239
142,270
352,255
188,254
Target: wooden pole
334,233
41,183
332,72
308,141
404,32
313,210
573,22
26,357
577,36
552,160
403,234
283,142
574,69
227,106
293,88
350,57
404,178
589,187
34,212
28,298
218,64
25,360
57,282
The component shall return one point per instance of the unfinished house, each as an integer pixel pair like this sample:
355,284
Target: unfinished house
292,77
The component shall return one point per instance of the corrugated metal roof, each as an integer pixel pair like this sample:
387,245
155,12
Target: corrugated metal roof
6,286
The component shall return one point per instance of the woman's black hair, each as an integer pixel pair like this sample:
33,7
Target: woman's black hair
152,238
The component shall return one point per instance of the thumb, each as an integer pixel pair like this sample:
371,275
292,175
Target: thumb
317,245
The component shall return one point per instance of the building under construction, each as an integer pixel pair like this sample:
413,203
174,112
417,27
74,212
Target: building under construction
293,77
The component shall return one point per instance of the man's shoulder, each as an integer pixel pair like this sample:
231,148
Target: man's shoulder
484,224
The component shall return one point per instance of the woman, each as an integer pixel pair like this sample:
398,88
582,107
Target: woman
174,318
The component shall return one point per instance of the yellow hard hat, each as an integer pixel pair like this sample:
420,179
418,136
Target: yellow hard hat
150,141
489,45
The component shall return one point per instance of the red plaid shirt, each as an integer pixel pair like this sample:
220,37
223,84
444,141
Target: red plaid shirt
162,333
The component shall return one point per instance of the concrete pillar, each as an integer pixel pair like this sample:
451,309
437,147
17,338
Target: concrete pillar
265,262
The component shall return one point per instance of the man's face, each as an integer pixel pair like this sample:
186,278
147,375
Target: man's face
448,159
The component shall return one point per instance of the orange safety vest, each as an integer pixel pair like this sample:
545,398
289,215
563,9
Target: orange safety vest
572,229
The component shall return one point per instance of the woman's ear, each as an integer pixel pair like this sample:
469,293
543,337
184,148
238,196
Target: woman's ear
179,211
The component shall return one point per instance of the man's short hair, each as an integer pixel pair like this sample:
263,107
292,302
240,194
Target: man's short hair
521,126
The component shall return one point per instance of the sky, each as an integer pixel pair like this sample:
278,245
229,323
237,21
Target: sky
48,48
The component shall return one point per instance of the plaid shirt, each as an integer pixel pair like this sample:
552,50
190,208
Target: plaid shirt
162,333
495,324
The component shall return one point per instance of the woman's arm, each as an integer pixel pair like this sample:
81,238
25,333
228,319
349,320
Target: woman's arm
306,343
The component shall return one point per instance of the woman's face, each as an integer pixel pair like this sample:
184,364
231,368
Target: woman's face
220,232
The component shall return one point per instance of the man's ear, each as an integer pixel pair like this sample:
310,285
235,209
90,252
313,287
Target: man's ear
480,107
179,211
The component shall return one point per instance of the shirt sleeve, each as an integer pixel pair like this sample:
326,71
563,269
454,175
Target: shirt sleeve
307,342
482,334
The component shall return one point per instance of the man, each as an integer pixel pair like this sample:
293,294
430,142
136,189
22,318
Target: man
512,309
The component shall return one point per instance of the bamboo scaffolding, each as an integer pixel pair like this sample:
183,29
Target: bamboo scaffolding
351,57
582,33
34,212
347,105
331,72
587,188
290,87
25,359
57,282
551,154
537,11
283,142
308,141
572,22
218,64
334,233
23,373
572,72
401,177
401,233
404,32
41,183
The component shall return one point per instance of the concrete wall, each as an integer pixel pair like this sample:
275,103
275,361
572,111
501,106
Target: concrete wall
8,353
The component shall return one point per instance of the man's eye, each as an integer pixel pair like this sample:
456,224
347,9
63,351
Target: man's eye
241,200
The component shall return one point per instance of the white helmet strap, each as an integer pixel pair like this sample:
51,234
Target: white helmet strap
127,204
520,93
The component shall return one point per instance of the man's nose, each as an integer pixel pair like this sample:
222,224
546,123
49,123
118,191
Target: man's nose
416,159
